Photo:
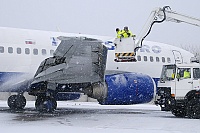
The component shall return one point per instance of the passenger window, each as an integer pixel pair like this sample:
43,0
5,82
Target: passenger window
163,59
151,58
139,58
44,52
145,58
19,50
27,51
10,50
1,49
35,51
157,59
168,60
51,52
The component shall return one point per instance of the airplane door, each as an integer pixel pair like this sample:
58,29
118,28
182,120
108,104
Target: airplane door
177,56
184,83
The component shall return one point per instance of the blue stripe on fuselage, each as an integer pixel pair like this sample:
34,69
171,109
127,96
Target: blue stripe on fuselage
11,82
5,76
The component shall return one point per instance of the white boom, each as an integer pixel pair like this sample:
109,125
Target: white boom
164,14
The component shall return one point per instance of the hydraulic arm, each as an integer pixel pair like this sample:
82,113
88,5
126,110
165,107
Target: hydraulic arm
160,15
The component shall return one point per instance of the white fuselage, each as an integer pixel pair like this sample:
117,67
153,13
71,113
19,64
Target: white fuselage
22,51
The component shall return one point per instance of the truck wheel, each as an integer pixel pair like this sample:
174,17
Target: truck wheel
190,95
178,112
193,109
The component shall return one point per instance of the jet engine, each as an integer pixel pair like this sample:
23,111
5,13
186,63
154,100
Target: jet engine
124,88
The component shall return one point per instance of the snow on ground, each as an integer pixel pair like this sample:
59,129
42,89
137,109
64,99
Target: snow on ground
90,117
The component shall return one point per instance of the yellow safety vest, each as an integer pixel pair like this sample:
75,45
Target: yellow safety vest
127,34
186,74
119,34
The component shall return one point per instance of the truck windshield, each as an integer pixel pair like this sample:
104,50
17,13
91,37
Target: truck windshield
168,72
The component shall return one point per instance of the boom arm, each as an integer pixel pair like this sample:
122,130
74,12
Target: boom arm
164,14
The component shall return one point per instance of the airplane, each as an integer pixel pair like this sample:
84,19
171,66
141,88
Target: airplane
130,78
22,51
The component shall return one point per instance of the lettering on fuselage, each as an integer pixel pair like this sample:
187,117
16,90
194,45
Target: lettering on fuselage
145,48
155,49
54,41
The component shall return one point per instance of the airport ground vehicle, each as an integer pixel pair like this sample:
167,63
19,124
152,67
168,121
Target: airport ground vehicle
178,92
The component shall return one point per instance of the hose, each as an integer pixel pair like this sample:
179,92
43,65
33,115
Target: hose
160,21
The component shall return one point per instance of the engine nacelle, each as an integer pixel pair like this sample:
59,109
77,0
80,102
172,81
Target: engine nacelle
128,88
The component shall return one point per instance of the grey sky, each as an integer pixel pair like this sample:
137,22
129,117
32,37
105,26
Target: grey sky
101,17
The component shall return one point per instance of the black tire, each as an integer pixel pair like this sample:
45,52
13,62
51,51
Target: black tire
12,102
16,102
193,109
179,112
190,95
39,103
45,104
50,104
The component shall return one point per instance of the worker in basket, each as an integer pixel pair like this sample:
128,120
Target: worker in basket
119,33
126,33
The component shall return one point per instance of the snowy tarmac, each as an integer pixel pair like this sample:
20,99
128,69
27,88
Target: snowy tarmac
90,117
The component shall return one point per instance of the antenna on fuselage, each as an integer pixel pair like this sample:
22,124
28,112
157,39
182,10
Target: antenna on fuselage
58,29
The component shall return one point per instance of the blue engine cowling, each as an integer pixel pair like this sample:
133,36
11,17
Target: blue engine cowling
128,88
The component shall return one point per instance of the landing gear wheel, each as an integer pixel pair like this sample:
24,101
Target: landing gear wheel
193,109
45,104
16,102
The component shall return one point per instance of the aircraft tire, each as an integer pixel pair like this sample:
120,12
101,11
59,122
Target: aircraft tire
45,104
16,102
193,109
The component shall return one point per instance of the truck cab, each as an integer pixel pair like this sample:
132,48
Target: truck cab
178,90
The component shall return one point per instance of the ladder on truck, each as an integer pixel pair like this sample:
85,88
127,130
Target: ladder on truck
124,49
